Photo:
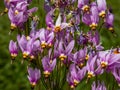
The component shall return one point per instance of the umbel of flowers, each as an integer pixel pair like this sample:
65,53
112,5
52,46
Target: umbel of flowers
68,51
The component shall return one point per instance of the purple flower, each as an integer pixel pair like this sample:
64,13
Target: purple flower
98,87
92,18
64,51
109,21
83,5
58,25
92,67
95,40
108,60
34,75
48,65
75,75
13,49
25,45
46,38
79,57
19,14
102,8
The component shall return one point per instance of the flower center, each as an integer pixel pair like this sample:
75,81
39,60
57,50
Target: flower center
104,64
13,26
93,26
32,57
43,44
13,55
33,84
28,38
102,14
16,12
80,65
111,29
75,82
6,10
90,74
62,57
46,73
86,8
25,54
72,86
57,29
87,57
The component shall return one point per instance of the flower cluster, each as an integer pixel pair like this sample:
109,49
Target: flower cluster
68,49
18,12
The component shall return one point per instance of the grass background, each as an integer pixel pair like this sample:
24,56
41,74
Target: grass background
13,76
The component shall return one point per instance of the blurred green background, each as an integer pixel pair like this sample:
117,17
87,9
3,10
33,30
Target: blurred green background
14,76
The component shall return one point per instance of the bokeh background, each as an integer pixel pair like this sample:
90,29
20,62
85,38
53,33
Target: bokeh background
14,76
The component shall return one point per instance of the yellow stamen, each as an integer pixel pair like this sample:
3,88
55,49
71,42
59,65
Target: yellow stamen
72,86
28,38
57,29
111,29
87,57
6,10
86,8
13,55
104,64
46,73
76,82
16,12
102,14
32,57
43,44
90,74
62,57
13,26
81,65
93,26
33,84
25,54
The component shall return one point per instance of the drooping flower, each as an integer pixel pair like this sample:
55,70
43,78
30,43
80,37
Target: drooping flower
13,49
19,14
108,60
91,19
75,75
46,38
109,21
94,39
79,57
84,5
102,8
63,52
25,45
92,67
48,65
58,26
33,75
